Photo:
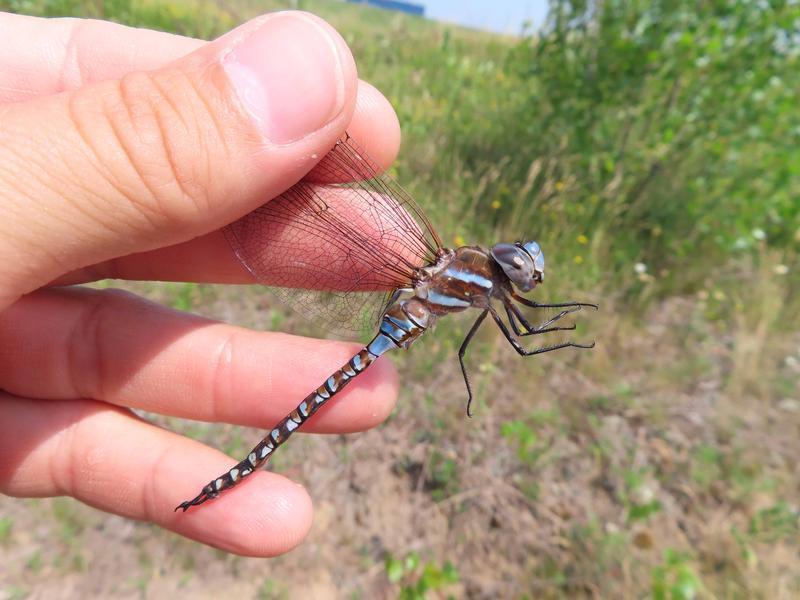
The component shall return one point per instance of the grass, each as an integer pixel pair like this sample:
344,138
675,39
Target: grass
652,148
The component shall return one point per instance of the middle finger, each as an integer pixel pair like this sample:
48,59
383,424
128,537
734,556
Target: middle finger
113,346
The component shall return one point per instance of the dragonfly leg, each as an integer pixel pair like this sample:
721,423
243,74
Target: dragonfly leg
513,311
534,304
522,351
462,351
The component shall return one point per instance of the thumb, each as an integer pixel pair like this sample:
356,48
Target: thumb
160,157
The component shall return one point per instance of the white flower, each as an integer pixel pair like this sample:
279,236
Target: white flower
780,269
703,61
644,494
759,234
640,268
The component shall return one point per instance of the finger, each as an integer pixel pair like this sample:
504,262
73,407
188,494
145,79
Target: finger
67,343
112,460
160,157
40,57
209,258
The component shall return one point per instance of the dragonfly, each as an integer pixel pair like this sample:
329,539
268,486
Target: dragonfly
367,255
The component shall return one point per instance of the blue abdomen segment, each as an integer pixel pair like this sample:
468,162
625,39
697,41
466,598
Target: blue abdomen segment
399,328
381,344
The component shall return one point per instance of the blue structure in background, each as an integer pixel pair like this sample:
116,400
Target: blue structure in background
406,7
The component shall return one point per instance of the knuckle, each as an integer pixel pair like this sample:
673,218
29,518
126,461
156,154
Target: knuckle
87,369
72,458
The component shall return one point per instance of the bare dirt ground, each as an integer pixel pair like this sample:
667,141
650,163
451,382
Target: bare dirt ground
651,463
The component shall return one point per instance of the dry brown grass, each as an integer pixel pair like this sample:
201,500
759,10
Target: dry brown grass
615,460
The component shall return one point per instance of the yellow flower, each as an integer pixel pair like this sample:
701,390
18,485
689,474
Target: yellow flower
578,259
582,239
496,204
459,241
559,186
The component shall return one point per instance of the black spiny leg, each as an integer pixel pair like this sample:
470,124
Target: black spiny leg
513,311
533,304
461,352
522,351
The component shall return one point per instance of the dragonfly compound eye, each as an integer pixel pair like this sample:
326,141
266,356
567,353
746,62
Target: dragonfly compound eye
518,265
535,252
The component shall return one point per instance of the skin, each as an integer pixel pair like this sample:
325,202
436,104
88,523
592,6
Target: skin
122,154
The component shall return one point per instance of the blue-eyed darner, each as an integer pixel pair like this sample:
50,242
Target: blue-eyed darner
356,233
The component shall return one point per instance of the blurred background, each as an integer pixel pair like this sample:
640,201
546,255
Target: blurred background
653,149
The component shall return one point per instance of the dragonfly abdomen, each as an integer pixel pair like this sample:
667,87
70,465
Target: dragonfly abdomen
398,330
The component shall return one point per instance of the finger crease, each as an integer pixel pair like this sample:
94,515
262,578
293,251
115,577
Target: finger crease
84,363
95,159
219,129
171,159
141,207
149,496
222,373
65,459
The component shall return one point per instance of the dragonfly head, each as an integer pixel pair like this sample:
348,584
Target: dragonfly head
522,262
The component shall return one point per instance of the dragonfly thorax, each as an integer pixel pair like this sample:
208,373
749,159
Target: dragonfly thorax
459,279
523,263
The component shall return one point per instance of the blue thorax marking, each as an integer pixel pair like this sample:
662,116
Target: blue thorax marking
470,277
444,300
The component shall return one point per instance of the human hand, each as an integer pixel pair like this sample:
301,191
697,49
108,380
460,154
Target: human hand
122,153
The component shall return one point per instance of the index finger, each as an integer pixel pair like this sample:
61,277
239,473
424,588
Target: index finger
39,57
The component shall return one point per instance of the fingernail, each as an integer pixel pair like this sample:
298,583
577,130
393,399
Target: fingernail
289,77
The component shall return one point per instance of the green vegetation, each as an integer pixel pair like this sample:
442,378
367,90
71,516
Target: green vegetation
675,579
653,148
6,528
443,478
657,134
417,579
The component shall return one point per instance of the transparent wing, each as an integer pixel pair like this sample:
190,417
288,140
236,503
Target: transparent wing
337,244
